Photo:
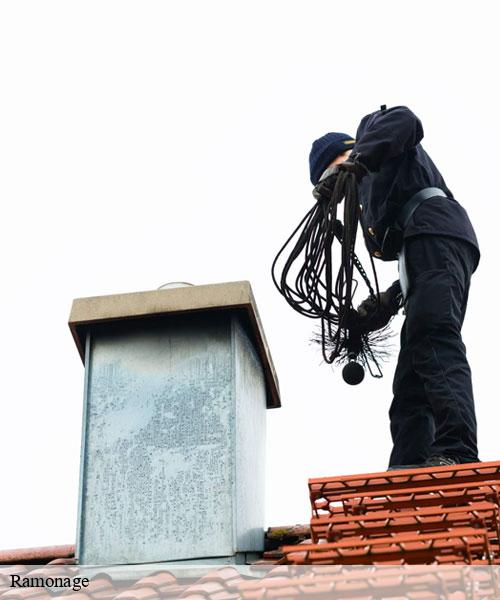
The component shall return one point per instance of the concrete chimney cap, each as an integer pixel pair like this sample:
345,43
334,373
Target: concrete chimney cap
97,310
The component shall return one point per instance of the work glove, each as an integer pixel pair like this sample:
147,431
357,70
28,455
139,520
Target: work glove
353,166
323,190
376,315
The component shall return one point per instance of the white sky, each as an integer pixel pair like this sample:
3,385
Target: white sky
145,142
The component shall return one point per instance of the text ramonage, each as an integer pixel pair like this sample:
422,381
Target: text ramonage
75,583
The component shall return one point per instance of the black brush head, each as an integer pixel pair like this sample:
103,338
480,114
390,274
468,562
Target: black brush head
353,373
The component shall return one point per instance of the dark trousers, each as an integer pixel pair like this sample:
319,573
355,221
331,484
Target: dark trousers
433,406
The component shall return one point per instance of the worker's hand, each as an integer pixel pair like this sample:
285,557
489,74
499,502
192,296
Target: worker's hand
354,166
377,314
324,189
370,304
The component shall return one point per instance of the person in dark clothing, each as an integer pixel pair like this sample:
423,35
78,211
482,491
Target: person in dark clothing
408,213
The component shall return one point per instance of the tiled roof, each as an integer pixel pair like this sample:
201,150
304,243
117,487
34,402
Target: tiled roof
227,583
436,516
439,515
35,556
275,537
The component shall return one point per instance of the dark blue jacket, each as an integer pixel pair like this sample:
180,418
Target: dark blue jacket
388,144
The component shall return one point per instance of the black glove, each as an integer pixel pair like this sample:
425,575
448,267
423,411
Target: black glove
354,166
323,190
377,314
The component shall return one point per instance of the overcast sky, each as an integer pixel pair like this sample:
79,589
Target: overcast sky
146,142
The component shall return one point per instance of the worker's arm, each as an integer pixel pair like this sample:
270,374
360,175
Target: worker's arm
386,134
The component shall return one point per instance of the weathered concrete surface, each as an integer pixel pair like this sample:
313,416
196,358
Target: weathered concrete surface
87,312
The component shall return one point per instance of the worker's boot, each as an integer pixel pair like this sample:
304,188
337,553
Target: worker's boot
438,460
402,467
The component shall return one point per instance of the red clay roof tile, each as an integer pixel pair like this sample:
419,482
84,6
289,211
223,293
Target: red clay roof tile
34,593
139,593
74,596
157,580
224,575
413,515
36,555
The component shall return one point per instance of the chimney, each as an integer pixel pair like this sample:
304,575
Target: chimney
177,382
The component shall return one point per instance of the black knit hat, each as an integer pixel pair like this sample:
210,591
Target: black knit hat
325,150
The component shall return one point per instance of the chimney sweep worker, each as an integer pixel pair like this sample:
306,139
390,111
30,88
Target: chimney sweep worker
408,214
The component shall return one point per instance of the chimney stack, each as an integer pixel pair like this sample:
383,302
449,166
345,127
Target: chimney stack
177,383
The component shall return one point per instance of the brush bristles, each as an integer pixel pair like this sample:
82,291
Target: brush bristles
374,347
